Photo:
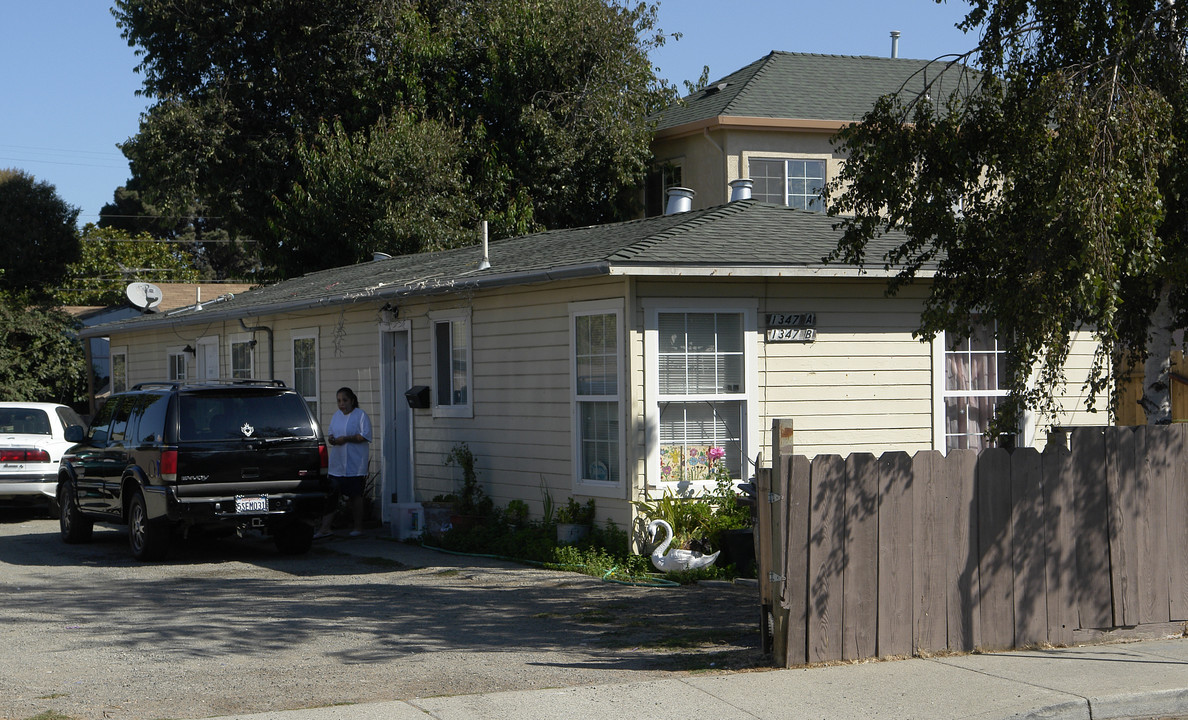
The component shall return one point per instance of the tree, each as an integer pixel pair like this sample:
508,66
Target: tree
548,100
1047,189
110,259
38,231
397,187
41,359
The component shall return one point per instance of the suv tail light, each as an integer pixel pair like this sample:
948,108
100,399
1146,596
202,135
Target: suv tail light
21,455
169,465
323,458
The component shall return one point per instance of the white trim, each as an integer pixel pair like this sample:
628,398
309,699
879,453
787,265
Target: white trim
748,271
583,486
751,434
461,410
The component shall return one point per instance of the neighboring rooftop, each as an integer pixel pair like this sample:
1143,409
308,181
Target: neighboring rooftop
740,239
804,86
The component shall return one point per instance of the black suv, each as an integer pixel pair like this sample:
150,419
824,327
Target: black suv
229,455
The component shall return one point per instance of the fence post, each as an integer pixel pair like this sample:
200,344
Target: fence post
771,505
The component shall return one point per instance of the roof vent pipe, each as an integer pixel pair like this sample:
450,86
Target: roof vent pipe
486,261
894,43
680,199
740,189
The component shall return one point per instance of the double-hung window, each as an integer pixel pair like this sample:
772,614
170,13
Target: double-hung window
972,371
794,182
243,358
176,364
702,375
451,364
596,343
119,369
305,367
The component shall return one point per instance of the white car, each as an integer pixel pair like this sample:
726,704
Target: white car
32,441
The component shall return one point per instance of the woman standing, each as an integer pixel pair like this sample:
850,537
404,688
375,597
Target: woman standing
350,450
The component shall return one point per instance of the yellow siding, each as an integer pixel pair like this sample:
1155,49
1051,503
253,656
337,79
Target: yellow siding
865,384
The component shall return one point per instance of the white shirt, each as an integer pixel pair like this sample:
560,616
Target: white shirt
350,459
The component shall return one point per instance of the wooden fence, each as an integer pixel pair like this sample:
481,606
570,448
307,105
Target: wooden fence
899,555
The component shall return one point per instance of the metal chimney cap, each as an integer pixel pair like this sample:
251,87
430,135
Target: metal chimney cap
740,189
680,199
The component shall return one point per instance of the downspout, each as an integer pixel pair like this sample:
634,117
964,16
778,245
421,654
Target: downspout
705,132
271,346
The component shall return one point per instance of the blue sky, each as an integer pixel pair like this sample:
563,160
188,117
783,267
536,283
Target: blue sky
69,82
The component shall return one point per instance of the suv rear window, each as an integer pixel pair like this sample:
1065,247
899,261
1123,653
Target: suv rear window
234,414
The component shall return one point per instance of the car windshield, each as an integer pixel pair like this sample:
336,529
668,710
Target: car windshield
28,421
239,415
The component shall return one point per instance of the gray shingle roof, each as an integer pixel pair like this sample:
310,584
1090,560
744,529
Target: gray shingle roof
807,87
740,235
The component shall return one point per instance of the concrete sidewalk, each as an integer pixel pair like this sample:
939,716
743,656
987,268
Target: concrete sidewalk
1145,679
1142,679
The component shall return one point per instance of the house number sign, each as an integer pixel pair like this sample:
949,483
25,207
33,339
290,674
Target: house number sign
791,327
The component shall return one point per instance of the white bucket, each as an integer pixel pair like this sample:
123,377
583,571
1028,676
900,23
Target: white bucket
408,520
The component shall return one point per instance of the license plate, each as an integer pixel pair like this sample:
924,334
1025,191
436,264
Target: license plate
251,504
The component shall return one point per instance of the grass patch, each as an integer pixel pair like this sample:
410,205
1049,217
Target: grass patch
50,715
602,553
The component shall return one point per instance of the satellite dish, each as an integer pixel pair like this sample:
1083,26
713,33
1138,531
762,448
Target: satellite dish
145,296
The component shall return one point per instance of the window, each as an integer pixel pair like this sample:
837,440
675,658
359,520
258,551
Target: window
176,359
701,363
796,183
598,438
659,179
972,388
451,364
119,370
243,359
305,368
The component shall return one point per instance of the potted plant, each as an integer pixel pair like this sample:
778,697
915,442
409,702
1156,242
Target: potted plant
574,521
470,504
730,527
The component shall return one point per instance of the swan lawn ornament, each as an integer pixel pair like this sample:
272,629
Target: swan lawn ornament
675,559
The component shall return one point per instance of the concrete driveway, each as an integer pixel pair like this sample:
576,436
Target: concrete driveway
230,626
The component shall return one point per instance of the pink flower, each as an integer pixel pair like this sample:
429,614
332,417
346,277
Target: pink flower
716,453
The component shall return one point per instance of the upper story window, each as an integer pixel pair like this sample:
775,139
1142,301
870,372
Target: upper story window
795,182
659,179
451,363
